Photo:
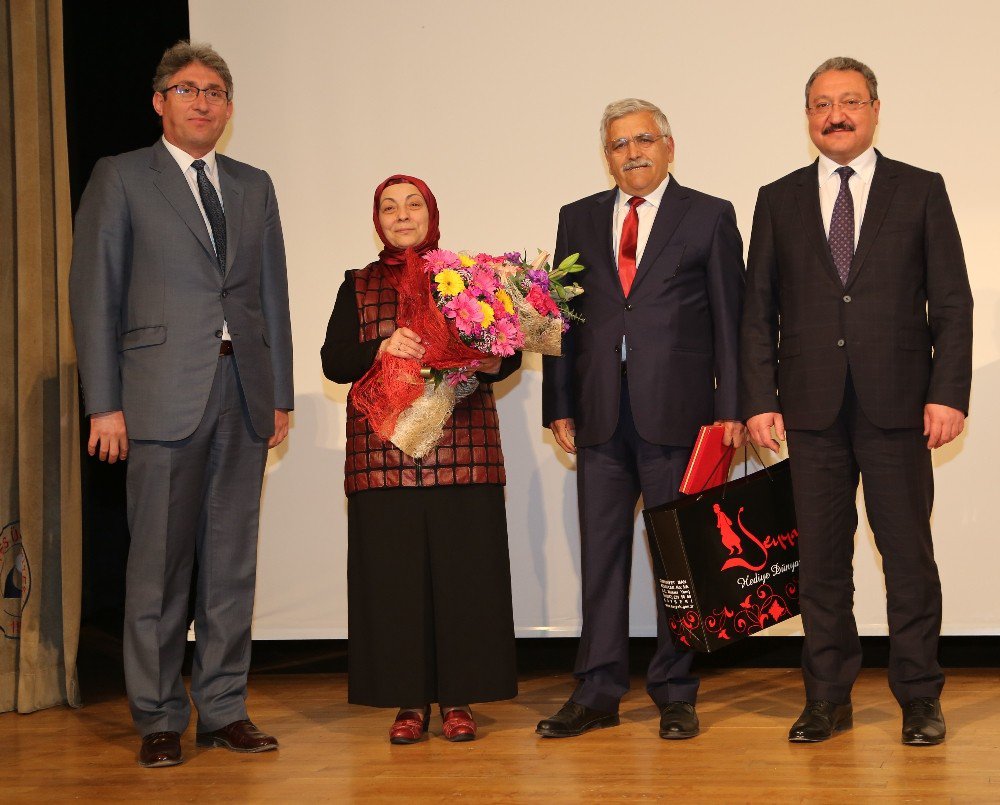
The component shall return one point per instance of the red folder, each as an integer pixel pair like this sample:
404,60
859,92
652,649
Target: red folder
709,462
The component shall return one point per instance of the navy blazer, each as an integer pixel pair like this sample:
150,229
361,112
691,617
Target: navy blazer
680,321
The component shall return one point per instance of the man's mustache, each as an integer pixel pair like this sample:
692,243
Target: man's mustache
844,126
632,164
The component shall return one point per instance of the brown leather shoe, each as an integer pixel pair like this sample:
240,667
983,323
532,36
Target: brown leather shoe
240,736
160,749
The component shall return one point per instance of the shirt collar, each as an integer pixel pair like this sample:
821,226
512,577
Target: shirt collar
184,159
863,164
653,199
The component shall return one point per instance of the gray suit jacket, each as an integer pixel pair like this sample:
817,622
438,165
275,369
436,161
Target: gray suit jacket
148,300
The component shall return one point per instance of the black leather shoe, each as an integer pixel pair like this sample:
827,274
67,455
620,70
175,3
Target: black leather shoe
923,722
819,720
678,720
575,719
160,749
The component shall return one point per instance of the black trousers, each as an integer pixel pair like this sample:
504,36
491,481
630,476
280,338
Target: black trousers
610,479
429,604
895,466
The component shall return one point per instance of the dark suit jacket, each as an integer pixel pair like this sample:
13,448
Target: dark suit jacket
148,299
680,321
903,323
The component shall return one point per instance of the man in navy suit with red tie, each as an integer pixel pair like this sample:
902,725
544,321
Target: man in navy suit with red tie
655,359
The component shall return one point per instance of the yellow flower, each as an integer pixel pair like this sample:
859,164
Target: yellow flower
449,282
505,300
488,314
467,262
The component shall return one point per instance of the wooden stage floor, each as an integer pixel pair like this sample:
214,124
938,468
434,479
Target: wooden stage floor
335,752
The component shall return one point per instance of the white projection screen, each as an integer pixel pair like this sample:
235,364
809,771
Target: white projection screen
496,106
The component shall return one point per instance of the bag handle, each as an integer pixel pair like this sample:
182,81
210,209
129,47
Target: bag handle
745,461
727,457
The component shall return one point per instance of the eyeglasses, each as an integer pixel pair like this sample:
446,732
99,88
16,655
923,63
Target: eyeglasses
850,105
188,92
642,141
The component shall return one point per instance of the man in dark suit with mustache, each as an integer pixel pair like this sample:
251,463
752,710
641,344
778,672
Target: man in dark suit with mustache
655,359
857,342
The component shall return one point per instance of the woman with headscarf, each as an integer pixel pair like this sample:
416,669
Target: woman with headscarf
428,569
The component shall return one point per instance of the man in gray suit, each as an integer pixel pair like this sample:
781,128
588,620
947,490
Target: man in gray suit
179,300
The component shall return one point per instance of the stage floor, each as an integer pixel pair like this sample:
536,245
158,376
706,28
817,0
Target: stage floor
332,751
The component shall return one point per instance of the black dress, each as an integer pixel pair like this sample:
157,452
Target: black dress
428,571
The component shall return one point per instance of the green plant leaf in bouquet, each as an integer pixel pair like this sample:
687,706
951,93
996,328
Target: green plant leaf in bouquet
569,261
567,266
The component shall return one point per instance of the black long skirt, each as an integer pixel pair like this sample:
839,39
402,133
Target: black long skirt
430,616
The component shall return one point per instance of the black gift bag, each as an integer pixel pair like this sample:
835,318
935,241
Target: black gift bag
726,560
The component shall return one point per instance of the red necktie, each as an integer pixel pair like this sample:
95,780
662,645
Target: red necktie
629,241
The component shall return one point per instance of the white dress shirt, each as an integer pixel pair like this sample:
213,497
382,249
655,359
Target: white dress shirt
184,161
860,184
646,213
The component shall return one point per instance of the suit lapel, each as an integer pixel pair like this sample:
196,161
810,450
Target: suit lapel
603,216
673,207
807,196
232,201
879,197
171,182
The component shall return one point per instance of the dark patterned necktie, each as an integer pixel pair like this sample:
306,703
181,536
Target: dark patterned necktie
629,244
842,226
213,210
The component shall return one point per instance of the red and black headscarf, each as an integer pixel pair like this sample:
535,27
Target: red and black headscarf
392,255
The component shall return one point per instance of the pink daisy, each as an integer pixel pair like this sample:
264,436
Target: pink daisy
507,337
484,280
466,312
439,259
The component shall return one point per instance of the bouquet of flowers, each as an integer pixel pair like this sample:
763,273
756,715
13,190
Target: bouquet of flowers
465,308
541,297
470,292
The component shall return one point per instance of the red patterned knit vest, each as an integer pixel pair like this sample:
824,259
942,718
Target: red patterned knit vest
468,452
